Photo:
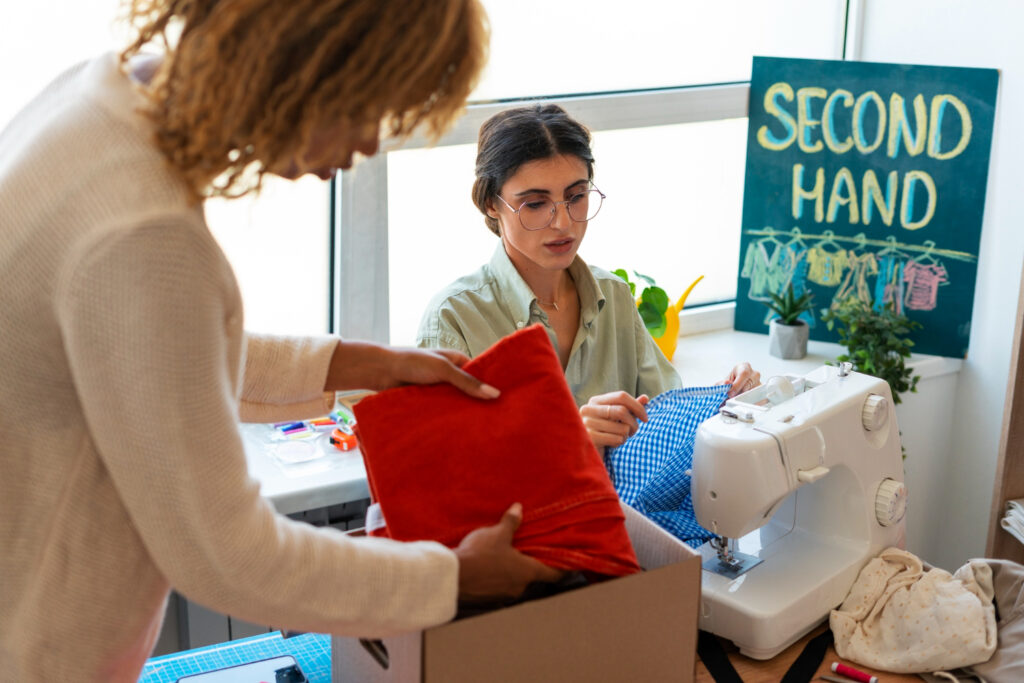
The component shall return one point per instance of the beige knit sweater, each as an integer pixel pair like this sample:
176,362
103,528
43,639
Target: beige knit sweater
121,385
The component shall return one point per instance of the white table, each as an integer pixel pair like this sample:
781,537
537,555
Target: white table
330,477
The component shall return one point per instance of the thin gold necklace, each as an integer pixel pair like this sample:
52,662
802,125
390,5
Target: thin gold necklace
551,304
545,304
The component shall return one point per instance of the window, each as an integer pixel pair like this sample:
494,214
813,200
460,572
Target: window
277,242
655,221
663,89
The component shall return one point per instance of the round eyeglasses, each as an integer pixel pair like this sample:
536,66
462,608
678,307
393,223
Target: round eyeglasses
537,213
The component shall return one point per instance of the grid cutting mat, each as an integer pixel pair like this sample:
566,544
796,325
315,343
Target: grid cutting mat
311,650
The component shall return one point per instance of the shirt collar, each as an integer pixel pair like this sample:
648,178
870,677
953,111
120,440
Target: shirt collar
591,298
520,298
514,291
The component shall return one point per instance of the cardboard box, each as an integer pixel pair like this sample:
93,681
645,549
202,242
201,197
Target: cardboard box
635,628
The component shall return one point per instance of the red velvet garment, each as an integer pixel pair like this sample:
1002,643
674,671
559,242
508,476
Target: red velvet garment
442,463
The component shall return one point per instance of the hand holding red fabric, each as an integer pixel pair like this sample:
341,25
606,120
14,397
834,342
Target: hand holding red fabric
489,567
442,464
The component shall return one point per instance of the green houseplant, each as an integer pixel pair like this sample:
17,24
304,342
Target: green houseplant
660,317
652,304
876,341
788,334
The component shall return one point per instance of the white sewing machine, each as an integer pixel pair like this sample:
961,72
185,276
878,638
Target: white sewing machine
803,478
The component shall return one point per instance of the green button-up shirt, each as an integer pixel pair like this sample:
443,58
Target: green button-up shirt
613,351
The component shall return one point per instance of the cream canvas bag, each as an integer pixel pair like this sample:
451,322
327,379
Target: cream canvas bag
899,617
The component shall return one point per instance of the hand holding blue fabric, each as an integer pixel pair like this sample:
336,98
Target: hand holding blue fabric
651,470
742,378
612,418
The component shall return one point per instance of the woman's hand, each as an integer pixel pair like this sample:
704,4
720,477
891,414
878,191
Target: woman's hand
422,366
490,568
743,378
362,365
612,418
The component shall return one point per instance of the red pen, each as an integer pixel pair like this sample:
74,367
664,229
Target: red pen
855,674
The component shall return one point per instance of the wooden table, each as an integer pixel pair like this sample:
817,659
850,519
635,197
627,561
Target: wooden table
772,670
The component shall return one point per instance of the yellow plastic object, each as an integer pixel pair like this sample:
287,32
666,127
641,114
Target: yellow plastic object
667,341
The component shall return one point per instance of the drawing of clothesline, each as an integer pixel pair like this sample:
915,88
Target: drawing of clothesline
906,282
928,245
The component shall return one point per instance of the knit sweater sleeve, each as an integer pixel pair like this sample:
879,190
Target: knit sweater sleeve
152,345
284,377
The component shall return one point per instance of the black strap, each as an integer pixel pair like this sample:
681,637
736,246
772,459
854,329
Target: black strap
806,665
802,670
711,652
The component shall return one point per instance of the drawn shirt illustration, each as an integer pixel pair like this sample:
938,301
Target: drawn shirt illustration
923,281
855,282
799,276
889,283
767,272
826,267
794,269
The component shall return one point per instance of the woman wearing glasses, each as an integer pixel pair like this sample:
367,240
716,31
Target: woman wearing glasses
534,185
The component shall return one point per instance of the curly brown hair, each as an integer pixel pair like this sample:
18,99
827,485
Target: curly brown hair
244,83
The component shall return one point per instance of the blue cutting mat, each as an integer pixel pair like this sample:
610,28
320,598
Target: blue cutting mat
311,650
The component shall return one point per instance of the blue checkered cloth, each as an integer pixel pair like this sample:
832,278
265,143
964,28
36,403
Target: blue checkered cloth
651,470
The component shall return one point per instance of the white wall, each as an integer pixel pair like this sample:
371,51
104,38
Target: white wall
976,33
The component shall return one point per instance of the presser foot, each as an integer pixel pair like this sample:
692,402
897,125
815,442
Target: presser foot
729,563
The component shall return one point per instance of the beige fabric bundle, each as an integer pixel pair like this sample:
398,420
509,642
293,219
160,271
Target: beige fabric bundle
900,618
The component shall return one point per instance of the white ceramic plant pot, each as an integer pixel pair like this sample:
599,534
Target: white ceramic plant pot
788,341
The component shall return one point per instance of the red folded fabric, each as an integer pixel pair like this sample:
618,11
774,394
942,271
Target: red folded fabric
442,464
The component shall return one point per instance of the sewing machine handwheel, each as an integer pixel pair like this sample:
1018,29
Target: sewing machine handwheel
890,502
875,412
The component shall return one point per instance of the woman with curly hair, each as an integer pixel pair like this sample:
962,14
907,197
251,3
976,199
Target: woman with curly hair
124,368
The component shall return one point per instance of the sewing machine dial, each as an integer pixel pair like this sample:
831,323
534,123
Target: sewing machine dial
890,502
875,412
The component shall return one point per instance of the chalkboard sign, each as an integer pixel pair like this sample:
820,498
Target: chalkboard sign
866,180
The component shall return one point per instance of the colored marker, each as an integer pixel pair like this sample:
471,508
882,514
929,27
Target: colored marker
322,425
855,674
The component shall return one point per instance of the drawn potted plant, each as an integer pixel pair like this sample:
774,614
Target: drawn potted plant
787,334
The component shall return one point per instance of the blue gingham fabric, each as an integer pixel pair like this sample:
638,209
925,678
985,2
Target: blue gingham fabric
651,469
